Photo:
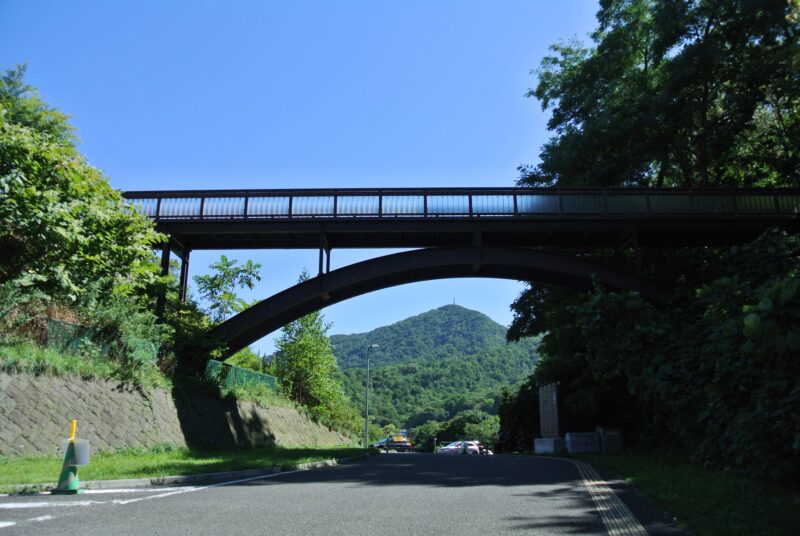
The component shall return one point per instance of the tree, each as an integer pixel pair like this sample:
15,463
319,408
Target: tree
484,431
306,366
674,93
70,245
304,360
247,358
389,429
456,428
714,375
219,288
66,233
425,435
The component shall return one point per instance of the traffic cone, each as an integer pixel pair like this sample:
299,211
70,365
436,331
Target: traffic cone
68,482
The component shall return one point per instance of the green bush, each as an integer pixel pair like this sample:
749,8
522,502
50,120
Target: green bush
715,375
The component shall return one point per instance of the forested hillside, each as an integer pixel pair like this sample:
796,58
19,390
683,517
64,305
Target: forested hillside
433,366
449,331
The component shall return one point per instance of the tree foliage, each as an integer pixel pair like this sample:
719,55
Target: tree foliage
70,246
681,93
65,231
219,288
674,93
305,364
716,374
247,358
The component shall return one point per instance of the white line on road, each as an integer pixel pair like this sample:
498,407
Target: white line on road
200,488
96,491
130,490
46,504
172,491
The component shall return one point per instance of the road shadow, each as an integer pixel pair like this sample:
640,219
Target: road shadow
551,479
207,421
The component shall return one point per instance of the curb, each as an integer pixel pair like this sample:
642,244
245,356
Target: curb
201,478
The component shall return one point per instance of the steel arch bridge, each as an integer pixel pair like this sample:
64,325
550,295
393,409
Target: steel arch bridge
463,232
422,265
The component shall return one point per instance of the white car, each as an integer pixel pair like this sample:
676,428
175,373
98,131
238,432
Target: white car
457,447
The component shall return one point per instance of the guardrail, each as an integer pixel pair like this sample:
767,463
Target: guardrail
458,202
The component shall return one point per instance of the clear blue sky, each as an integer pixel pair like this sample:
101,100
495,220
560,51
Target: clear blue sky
257,94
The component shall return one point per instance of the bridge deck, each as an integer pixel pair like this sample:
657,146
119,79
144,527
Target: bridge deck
369,218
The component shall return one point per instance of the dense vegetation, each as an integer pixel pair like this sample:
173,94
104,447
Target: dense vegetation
697,93
71,250
79,265
443,366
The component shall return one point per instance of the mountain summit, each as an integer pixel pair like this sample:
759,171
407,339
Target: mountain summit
448,331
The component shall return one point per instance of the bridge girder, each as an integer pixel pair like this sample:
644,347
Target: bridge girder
422,265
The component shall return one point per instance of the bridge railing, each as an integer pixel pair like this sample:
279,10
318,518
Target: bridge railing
457,202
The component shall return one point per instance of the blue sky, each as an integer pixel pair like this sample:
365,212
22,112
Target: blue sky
246,94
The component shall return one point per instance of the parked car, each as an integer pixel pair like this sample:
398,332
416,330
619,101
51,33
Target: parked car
398,442
472,447
484,449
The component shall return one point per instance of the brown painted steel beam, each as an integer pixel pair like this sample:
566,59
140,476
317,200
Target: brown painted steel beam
423,265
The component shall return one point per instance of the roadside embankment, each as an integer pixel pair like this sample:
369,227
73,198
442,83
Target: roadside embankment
35,412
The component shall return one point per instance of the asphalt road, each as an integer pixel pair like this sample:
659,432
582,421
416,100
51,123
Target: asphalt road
394,494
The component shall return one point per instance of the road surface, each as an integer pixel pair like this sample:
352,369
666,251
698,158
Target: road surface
394,494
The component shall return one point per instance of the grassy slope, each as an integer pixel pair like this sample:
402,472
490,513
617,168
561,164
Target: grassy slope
165,461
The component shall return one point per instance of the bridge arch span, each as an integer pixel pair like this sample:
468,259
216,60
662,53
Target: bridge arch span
422,265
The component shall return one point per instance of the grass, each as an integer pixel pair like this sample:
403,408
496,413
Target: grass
87,363
27,356
260,394
165,460
709,503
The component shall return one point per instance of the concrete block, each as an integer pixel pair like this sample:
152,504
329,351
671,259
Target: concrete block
610,439
548,445
582,442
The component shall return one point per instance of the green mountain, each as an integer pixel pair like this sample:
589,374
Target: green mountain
449,331
433,365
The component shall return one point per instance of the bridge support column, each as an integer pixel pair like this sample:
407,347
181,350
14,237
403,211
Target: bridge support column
324,249
161,300
184,282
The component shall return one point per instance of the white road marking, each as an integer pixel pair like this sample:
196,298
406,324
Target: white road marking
46,504
130,490
200,488
96,491
170,492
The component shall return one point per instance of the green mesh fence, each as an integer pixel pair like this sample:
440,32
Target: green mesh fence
70,337
232,376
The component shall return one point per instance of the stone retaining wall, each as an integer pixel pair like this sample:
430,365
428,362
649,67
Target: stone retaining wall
35,413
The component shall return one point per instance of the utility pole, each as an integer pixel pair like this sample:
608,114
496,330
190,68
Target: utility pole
366,400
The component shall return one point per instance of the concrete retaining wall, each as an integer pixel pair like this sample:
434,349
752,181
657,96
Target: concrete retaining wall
35,413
